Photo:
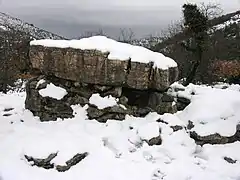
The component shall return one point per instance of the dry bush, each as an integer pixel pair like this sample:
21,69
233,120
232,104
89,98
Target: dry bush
226,70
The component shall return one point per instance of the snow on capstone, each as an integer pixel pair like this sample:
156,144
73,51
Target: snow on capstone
117,50
103,102
53,91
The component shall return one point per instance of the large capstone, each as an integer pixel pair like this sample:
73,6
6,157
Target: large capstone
94,63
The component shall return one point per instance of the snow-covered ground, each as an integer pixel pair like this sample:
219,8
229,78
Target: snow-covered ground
116,149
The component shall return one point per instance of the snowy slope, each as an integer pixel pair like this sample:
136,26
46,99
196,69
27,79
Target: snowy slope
116,150
8,22
234,19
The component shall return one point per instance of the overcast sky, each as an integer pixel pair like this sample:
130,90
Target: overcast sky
72,17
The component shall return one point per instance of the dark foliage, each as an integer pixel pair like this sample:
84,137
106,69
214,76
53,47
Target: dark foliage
221,44
196,26
13,57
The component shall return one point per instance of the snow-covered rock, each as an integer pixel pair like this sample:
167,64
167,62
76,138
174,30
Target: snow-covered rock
103,102
104,61
116,50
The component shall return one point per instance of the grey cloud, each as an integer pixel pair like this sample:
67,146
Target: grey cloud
111,4
72,17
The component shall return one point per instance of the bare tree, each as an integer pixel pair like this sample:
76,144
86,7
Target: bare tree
87,34
174,28
151,41
126,35
211,10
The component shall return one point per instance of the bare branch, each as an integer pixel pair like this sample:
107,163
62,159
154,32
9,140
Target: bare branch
87,34
173,29
126,35
211,10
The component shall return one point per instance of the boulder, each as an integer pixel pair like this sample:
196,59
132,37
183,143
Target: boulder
176,128
47,108
155,141
230,160
43,163
182,103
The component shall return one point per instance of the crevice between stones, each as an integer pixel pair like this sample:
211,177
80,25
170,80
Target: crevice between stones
129,67
151,74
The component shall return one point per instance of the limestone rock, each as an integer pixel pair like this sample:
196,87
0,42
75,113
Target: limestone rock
161,104
215,138
115,113
210,139
190,125
47,108
176,128
182,103
43,163
155,141
103,115
72,162
94,67
230,160
47,164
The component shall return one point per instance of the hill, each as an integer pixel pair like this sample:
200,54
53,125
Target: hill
223,44
9,23
15,35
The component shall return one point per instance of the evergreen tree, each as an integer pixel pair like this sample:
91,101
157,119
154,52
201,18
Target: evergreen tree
196,25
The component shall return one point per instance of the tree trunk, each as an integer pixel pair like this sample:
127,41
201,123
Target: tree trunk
192,74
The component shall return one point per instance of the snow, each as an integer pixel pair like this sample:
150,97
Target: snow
117,50
117,151
149,131
4,29
52,91
103,102
234,87
212,110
